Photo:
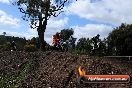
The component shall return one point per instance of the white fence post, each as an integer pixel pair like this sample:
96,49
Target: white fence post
129,57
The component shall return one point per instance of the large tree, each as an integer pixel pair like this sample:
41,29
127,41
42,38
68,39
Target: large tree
120,40
84,43
66,34
38,12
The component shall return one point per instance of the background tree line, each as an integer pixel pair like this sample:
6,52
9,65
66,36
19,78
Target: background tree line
118,42
5,42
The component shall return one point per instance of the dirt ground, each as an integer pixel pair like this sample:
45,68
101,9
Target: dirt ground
57,70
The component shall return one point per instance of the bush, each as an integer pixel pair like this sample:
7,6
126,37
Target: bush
5,47
1,47
79,51
30,48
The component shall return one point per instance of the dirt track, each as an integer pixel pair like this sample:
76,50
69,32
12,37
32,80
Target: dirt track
55,69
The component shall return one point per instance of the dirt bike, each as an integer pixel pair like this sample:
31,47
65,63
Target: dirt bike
95,49
64,46
60,46
13,48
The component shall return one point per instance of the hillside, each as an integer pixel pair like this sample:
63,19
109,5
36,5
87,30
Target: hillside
55,70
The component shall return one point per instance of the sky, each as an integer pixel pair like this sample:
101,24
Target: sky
86,17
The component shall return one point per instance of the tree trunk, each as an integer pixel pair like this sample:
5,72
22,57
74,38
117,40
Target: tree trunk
42,27
41,31
41,40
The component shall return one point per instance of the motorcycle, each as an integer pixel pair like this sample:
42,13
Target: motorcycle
61,46
64,46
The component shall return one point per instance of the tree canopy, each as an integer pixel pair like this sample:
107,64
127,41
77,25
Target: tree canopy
40,10
120,40
66,34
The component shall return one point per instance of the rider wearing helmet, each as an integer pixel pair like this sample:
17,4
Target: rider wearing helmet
56,40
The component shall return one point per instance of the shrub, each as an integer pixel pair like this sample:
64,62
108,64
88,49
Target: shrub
79,51
30,48
1,47
5,47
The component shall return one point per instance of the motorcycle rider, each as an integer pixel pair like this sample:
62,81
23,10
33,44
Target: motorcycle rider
56,40
95,43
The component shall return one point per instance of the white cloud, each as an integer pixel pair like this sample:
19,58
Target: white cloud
5,1
91,30
109,11
10,33
27,35
54,25
57,23
8,20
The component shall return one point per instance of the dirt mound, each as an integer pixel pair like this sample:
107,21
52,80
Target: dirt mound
54,70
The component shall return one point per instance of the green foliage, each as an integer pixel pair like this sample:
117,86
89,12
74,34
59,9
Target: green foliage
2,39
79,51
84,43
6,40
11,80
6,81
5,47
35,41
66,33
30,48
120,40
38,10
93,46
21,43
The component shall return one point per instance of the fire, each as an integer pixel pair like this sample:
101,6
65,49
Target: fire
82,71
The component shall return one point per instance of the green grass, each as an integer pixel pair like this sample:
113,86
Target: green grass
10,81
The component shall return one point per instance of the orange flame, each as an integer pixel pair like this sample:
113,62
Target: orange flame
82,72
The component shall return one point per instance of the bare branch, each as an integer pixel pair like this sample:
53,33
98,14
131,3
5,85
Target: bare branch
57,8
61,6
55,14
22,10
33,27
